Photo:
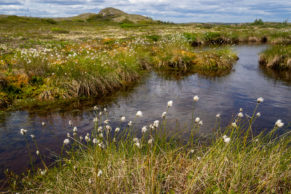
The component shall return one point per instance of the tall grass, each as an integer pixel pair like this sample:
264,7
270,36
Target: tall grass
234,160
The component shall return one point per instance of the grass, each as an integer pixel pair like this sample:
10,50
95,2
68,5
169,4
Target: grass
234,160
57,59
277,57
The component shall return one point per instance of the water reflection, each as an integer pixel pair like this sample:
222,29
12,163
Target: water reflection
224,94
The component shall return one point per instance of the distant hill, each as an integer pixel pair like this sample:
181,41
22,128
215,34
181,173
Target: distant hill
110,14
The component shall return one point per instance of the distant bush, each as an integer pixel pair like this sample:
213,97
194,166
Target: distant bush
258,22
49,21
60,31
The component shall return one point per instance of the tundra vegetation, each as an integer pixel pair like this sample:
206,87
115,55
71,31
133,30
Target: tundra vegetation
44,60
153,160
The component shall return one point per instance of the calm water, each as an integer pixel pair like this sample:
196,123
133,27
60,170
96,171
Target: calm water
225,95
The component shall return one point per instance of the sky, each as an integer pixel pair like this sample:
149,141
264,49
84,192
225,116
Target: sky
179,11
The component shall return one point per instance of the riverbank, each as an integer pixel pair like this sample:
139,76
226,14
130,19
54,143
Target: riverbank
234,159
277,58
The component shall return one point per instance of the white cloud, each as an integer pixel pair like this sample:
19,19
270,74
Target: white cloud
168,10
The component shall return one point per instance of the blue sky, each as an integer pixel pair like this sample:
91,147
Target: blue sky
166,10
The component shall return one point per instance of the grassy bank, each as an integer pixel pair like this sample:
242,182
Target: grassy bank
234,160
277,57
61,70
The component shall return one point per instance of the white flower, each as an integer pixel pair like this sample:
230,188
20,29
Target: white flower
105,109
156,123
150,141
139,114
144,129
201,123
117,129
75,129
258,114
197,120
99,173
101,145
279,123
137,144
70,123
217,115
68,135
106,121
240,115
226,140
164,115
66,141
100,113
23,131
240,110
195,98
43,172
32,136
135,139
170,103
95,141
95,108
37,152
234,124
43,123
87,138
260,99
100,129
81,138
101,135
108,128
95,120
122,119
129,123
224,136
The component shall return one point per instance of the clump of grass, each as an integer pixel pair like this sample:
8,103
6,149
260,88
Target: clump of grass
60,30
277,57
117,161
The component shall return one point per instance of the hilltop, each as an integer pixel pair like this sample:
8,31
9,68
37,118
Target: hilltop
110,14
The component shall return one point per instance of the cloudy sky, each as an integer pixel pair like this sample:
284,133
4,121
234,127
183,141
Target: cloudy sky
166,10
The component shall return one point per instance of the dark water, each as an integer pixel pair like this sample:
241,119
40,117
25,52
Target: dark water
224,95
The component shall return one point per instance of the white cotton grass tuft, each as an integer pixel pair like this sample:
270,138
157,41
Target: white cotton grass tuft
226,139
32,136
260,99
197,119
200,123
42,123
87,138
241,110
129,123
156,123
81,138
23,131
139,114
117,129
101,135
218,115
37,152
164,115
195,98
279,123
100,129
240,115
144,129
66,141
258,114
95,141
170,103
42,172
122,119
135,139
75,129
150,141
234,124
95,120
106,121
70,123
95,108
99,173
137,144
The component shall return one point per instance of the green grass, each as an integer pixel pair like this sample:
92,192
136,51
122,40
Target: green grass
277,57
244,163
